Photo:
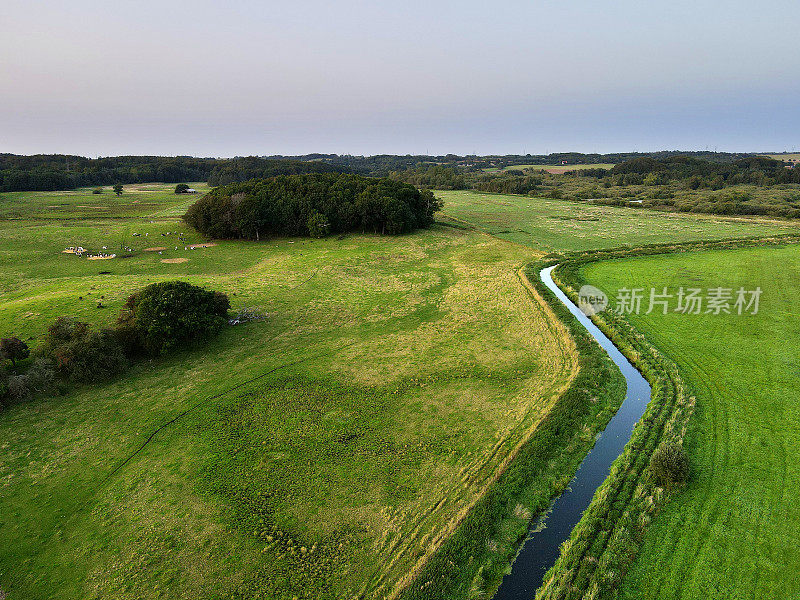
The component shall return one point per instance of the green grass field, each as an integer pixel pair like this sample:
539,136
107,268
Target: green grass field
396,378
547,224
324,452
733,532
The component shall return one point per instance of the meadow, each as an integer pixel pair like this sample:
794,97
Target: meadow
732,532
558,225
326,451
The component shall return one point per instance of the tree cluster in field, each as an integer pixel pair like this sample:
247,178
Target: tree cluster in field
315,204
154,321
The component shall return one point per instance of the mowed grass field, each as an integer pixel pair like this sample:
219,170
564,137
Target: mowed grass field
548,224
324,452
734,531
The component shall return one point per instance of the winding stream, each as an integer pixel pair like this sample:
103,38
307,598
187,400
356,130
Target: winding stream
542,546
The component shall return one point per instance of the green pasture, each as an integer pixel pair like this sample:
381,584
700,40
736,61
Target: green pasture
322,452
733,532
326,451
547,224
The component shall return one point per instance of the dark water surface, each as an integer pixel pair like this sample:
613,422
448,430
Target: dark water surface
541,548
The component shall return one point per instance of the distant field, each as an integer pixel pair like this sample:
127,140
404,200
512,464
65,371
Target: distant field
735,530
547,224
791,156
397,377
554,169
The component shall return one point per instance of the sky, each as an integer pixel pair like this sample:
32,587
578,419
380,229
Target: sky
248,77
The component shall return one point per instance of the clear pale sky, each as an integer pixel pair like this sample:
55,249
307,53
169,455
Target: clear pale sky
367,77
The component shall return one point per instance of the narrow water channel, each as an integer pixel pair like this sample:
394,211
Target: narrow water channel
541,548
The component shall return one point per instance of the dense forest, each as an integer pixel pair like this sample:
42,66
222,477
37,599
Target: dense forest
313,204
242,169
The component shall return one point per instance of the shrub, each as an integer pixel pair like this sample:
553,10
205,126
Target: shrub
13,349
39,379
165,315
18,388
181,188
41,376
96,357
97,190
82,355
669,466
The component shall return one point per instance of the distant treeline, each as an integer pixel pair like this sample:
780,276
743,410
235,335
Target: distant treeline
60,172
755,170
314,204
700,173
383,164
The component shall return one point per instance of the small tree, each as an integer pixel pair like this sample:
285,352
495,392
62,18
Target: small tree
181,188
169,314
14,349
118,189
669,465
